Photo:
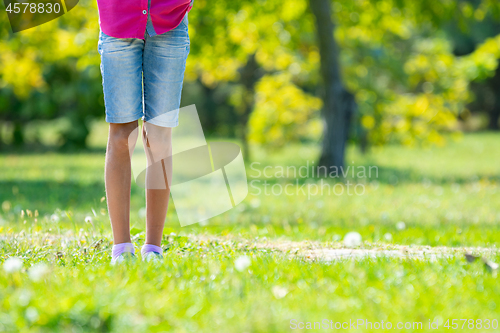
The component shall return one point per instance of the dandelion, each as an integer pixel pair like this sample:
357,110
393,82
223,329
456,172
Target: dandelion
31,314
13,264
242,263
241,207
279,292
255,203
400,225
352,239
388,237
54,218
38,272
88,219
24,297
336,238
6,206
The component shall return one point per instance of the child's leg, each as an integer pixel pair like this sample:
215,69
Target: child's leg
121,142
164,64
158,147
121,70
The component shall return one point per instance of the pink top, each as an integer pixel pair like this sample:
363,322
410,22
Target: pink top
128,18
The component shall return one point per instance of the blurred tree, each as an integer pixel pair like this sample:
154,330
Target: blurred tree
339,104
465,41
399,61
494,110
241,43
266,60
396,58
50,72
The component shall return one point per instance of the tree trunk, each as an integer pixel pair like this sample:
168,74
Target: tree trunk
208,114
18,134
338,104
250,74
494,113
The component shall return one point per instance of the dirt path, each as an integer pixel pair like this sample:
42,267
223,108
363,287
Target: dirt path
308,250
329,251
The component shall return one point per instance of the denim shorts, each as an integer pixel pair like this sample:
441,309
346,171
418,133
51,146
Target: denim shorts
143,78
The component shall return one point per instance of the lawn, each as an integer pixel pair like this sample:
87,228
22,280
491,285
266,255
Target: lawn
251,269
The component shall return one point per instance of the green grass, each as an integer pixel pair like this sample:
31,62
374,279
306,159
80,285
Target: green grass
199,289
446,196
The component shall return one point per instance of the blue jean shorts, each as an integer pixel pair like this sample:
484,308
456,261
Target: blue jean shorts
143,78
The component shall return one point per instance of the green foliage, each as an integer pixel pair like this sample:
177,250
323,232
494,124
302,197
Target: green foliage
284,113
409,85
397,58
51,71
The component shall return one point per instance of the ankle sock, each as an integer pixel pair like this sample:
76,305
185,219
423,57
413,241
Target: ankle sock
150,248
121,248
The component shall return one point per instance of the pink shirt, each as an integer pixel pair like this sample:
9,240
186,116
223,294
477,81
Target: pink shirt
128,18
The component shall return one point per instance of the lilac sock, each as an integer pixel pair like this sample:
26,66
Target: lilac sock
121,248
150,248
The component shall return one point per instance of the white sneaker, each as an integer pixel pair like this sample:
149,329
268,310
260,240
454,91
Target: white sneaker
125,256
153,257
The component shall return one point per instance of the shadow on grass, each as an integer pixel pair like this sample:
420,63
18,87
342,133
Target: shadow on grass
40,149
46,196
384,175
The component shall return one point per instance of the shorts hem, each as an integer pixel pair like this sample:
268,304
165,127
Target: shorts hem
162,123
121,120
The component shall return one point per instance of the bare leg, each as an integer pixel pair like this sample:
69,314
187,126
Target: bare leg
117,175
158,146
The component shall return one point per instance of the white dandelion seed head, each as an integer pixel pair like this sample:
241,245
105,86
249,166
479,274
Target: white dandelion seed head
38,271
400,225
241,263
24,297
255,203
142,212
336,237
31,313
279,292
13,264
352,239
